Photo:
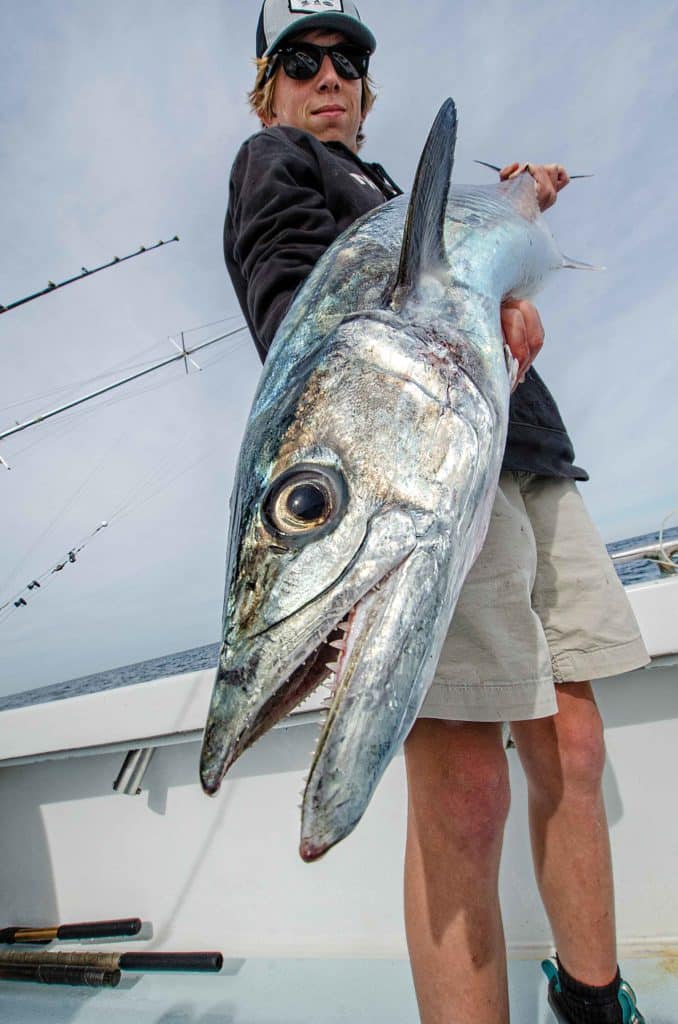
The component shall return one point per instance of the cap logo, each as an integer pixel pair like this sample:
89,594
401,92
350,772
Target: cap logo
315,6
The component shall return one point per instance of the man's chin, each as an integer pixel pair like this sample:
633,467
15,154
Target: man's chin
333,132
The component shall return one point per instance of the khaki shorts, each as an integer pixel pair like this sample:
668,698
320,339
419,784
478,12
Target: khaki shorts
542,605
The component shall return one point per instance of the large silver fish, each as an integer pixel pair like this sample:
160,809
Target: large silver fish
367,475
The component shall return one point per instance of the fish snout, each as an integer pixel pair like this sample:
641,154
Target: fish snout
310,850
223,739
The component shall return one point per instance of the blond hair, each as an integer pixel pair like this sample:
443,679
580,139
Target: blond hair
260,98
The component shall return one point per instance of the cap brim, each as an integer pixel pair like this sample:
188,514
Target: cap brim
353,29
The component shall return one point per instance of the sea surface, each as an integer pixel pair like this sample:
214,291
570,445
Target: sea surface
206,657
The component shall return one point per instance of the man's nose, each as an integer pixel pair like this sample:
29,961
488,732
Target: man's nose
327,77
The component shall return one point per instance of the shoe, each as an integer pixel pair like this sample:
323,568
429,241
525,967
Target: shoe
627,997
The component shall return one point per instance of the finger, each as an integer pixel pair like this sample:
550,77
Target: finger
534,329
523,332
509,171
546,189
558,175
562,179
515,336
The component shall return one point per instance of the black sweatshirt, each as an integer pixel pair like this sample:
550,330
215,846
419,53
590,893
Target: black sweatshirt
290,196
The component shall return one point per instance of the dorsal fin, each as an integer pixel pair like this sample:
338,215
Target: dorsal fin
423,242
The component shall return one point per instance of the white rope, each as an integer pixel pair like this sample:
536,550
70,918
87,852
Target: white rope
667,562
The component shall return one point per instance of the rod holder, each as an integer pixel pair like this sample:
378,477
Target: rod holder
134,767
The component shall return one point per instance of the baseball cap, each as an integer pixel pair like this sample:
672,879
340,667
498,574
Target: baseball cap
280,19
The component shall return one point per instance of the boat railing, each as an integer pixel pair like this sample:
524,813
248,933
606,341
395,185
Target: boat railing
663,554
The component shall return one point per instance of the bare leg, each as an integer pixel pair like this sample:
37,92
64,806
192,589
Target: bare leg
458,799
563,757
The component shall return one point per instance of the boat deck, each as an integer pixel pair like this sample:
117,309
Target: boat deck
319,991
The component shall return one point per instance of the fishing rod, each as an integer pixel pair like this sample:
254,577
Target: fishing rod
19,601
85,272
145,491
183,353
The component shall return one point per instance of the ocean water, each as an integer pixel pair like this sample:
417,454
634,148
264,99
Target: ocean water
643,570
206,657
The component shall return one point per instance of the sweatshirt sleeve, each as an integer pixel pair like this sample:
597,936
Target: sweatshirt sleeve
278,225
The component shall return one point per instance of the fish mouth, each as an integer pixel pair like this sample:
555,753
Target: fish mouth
262,677
322,666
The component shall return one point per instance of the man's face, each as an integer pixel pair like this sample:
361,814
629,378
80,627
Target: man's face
327,106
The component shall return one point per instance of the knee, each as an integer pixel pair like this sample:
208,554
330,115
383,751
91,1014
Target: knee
478,805
581,749
568,755
463,806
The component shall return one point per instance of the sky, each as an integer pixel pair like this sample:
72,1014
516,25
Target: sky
118,127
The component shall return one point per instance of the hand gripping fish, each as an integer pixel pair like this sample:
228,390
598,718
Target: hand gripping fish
367,475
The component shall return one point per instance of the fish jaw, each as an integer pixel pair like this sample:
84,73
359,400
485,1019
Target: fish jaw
391,650
262,678
379,678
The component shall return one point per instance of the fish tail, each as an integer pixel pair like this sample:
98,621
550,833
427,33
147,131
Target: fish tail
571,264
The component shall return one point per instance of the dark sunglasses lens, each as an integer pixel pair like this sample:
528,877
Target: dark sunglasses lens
348,63
301,63
303,60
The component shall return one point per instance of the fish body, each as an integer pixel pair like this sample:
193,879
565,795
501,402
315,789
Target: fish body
367,476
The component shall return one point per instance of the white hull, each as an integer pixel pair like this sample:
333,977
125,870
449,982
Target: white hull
225,873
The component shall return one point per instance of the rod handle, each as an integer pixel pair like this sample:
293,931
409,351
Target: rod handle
61,974
212,961
82,930
100,929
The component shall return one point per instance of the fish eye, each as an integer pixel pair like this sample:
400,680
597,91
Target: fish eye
304,503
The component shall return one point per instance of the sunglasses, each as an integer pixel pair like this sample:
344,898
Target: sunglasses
302,61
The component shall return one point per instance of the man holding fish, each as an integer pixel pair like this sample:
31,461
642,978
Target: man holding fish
531,626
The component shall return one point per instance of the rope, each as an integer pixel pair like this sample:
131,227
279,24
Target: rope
666,562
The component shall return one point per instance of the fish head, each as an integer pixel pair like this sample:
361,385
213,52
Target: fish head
350,492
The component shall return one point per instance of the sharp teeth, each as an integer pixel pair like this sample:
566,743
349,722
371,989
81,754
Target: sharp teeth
343,626
339,644
332,665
